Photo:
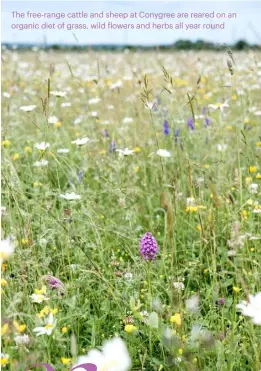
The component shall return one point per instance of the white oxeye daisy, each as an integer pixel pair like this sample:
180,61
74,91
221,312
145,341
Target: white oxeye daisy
41,163
222,147
42,146
52,120
4,359
81,141
94,100
125,152
150,105
252,308
38,298
70,196
50,324
58,93
113,356
27,108
190,201
6,95
116,85
163,153
127,120
66,104
253,188
219,106
62,150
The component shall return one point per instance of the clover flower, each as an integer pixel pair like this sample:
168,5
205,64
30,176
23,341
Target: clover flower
54,283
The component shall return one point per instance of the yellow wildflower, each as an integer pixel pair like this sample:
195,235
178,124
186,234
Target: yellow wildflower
4,329
3,282
64,330
4,360
41,291
236,289
137,149
180,352
28,149
252,169
58,124
130,329
15,156
191,209
258,176
248,180
54,311
66,361
258,144
176,319
6,143
37,184
43,312
18,327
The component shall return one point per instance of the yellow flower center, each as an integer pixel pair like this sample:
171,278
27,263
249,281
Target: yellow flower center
48,326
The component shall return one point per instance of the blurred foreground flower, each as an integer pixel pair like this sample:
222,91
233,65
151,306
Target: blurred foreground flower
252,308
192,304
148,247
113,356
7,248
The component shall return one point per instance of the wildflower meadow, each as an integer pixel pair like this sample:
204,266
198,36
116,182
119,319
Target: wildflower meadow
131,210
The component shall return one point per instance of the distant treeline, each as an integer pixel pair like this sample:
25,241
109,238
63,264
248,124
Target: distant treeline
178,45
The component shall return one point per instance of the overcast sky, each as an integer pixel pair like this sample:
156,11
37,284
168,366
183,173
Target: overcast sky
247,24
